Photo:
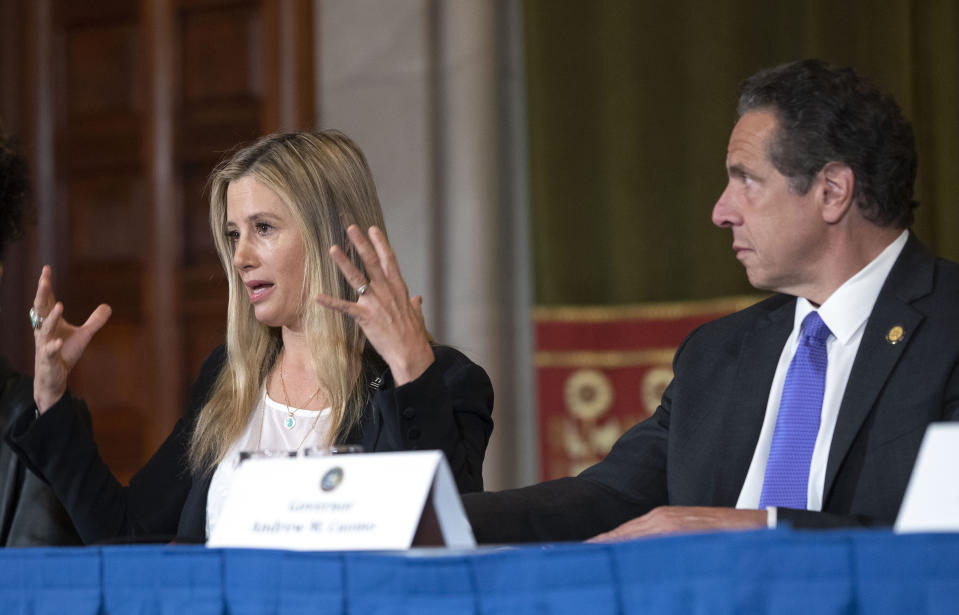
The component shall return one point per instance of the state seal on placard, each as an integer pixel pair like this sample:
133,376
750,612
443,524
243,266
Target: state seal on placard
588,394
332,479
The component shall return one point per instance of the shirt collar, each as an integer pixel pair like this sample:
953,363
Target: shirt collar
850,305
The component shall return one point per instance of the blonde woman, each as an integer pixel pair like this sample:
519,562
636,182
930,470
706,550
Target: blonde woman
323,346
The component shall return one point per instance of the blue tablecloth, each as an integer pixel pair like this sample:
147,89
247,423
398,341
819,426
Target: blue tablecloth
778,571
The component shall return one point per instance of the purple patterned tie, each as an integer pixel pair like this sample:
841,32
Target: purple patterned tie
787,470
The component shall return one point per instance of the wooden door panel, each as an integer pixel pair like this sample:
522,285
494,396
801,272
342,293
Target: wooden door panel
221,52
101,67
114,378
107,222
126,106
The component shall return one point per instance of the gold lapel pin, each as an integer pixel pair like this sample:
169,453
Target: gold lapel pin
895,335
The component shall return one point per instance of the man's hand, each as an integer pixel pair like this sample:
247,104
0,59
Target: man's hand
680,519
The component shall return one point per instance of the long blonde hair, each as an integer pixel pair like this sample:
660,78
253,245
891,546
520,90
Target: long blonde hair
325,181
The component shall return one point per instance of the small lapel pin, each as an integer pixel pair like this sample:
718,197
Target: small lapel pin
895,334
376,383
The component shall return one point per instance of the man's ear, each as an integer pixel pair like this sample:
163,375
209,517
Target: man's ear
836,190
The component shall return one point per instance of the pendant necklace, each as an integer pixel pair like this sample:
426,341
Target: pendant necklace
259,438
290,421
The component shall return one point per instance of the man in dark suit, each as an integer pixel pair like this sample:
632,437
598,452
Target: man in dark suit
809,407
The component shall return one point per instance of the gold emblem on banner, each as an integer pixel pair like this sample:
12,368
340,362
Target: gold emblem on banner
588,394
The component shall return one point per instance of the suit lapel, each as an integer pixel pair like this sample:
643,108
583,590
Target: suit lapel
911,278
761,347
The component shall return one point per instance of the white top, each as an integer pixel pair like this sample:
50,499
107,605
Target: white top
311,429
845,312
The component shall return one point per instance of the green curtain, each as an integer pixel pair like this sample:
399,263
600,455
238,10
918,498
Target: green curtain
630,105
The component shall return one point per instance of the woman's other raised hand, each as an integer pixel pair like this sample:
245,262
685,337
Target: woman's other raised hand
390,318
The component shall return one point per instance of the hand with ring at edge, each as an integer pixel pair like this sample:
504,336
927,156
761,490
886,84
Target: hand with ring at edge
392,321
59,344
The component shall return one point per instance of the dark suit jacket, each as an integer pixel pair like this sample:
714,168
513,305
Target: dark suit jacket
696,448
30,513
448,408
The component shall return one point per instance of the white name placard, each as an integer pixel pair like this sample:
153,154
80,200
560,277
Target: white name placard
931,502
376,501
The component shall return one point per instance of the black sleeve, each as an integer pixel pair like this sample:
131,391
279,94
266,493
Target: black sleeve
564,509
448,408
629,482
30,513
814,519
59,447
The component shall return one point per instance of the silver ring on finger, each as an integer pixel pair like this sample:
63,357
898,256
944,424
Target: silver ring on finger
36,320
362,289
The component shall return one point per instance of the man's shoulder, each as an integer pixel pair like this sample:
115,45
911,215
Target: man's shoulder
941,304
926,281
947,276
767,310
919,274
720,342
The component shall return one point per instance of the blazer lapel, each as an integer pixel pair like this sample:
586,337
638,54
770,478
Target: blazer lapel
911,278
761,347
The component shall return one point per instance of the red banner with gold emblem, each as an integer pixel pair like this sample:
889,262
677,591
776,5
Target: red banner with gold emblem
600,370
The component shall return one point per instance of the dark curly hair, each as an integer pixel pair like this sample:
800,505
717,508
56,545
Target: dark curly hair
13,192
831,114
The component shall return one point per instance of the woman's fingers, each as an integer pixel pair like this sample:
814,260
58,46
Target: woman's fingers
76,339
388,262
50,377
380,262
59,345
339,305
392,321
97,319
354,277
58,336
367,253
52,347
50,322
44,299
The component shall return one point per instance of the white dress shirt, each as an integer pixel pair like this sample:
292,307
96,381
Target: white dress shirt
845,312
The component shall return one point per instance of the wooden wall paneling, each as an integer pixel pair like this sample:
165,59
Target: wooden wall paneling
161,300
289,65
219,50
125,107
113,377
38,107
102,222
229,60
221,70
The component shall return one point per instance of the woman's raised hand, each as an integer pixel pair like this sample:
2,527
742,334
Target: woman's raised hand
392,321
59,345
